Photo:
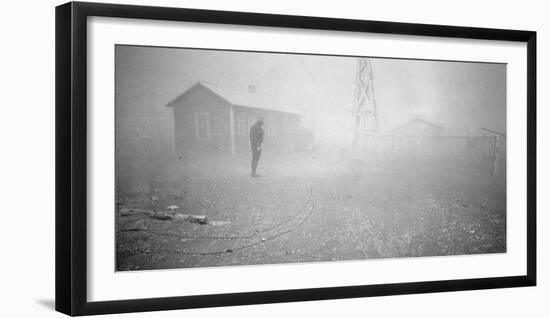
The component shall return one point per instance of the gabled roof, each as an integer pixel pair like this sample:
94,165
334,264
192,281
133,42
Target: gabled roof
191,89
256,100
418,120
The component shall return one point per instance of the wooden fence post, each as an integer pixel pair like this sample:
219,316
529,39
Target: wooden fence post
495,155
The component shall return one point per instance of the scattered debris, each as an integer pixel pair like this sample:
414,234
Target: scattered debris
219,223
181,217
162,216
125,212
132,211
171,234
199,219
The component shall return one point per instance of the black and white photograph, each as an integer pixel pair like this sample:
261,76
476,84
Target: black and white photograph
231,158
271,159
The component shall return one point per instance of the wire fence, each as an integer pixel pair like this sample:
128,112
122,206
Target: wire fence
484,152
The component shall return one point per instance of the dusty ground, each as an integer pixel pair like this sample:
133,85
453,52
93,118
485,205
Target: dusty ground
305,208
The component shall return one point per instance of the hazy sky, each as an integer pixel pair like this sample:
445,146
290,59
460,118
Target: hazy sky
459,96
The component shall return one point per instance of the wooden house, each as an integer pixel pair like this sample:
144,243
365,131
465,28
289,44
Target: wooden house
418,136
213,119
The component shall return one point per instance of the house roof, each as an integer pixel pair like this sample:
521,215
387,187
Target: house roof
418,120
260,100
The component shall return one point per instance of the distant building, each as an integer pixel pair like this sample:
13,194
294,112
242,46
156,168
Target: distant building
210,119
418,136
419,127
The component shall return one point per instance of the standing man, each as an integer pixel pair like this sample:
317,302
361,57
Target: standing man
256,139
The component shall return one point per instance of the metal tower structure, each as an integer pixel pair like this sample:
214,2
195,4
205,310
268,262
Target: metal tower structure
364,105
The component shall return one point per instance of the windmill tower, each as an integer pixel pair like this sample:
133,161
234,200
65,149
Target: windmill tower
365,122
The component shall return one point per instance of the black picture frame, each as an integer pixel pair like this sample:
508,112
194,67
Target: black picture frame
71,157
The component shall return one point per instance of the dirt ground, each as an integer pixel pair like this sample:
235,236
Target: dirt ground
309,208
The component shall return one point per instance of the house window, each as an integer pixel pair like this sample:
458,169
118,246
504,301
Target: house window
202,125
